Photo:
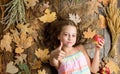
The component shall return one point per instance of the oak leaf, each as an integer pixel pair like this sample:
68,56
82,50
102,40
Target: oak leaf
11,68
42,54
48,16
5,42
89,33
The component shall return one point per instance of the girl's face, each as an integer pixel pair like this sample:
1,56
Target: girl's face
68,35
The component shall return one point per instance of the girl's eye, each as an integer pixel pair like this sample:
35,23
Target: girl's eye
73,35
65,34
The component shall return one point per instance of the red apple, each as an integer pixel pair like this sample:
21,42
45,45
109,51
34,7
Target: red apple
97,38
105,70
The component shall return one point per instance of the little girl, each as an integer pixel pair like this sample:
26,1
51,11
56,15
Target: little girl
69,57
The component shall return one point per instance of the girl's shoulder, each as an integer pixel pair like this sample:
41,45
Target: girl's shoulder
80,48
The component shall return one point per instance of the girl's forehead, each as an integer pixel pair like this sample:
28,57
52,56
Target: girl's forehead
69,28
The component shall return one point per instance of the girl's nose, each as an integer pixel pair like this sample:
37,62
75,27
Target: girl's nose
70,37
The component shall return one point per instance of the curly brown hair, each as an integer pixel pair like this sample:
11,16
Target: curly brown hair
52,30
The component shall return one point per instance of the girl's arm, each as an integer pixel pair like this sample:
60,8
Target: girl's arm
94,65
56,57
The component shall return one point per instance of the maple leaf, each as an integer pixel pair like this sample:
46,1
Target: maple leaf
11,68
23,41
89,33
24,28
28,29
5,42
19,50
48,17
113,67
30,3
42,54
36,64
20,58
75,18
42,71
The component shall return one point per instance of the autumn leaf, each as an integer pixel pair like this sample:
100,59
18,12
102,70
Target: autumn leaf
75,18
48,16
36,64
23,41
11,68
29,29
113,67
5,42
89,33
19,50
30,3
20,58
42,54
46,5
25,28
42,71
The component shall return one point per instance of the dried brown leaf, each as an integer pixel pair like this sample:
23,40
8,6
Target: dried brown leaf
5,42
42,54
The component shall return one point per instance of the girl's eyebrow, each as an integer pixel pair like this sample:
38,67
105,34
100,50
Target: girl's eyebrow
67,32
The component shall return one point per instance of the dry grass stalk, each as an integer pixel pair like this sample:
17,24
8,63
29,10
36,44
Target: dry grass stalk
113,18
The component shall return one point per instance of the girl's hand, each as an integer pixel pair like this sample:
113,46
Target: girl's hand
58,53
100,43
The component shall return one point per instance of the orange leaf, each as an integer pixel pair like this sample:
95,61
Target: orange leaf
5,42
36,64
42,54
42,71
89,33
48,16
19,50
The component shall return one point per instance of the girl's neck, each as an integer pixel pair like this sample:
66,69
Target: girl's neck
67,49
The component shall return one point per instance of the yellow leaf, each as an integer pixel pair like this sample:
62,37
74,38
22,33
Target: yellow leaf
11,68
5,42
24,28
42,54
48,17
23,41
36,64
113,67
89,33
19,50
42,71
